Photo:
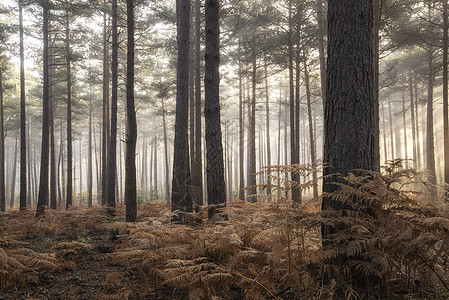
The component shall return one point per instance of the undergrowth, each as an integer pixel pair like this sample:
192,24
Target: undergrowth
267,250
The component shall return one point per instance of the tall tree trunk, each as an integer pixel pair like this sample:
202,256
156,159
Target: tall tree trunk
59,170
192,109
198,179
23,163
320,38
97,167
384,131
349,77
311,131
166,162
51,110
391,130
42,199
252,130
181,159
267,117
13,177
112,147
89,158
2,147
155,165
130,166
105,134
430,149
418,143
296,196
69,196
377,14
241,133
404,124
216,190
412,118
445,99
29,187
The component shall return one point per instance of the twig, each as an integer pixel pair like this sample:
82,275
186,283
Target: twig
433,270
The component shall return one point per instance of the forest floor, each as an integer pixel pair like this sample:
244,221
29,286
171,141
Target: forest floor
260,251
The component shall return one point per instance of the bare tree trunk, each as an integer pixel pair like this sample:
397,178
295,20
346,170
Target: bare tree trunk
60,161
180,160
105,135
429,136
29,187
23,163
130,166
377,14
2,147
89,159
418,143
412,118
252,130
391,130
216,190
267,117
404,124
53,199
198,179
296,197
311,131
155,164
69,201
445,100
167,170
42,199
112,147
13,177
241,133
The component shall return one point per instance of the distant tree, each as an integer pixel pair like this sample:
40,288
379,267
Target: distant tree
216,188
131,139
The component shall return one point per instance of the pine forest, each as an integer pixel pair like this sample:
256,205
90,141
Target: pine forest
224,149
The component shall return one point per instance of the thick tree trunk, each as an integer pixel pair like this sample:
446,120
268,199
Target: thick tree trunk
216,190
267,117
29,187
69,196
377,14
23,163
198,179
181,159
42,199
349,107
130,166
112,147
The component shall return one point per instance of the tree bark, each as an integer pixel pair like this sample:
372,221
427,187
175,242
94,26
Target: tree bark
430,149
252,192
241,133
89,158
445,99
404,124
267,117
13,177
198,179
130,166
166,162
23,162
51,110
311,131
349,109
412,118
216,190
2,147
105,134
69,196
181,159
42,199
112,147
